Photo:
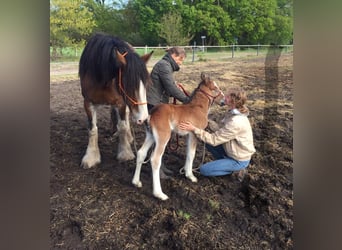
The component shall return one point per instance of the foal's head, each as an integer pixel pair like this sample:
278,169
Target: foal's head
211,88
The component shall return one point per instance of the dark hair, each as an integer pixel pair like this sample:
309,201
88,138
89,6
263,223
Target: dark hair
239,98
176,51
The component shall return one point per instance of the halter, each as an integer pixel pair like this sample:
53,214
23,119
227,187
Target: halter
134,102
209,96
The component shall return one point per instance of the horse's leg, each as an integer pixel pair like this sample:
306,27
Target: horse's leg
141,155
92,156
129,132
191,151
125,152
156,158
114,117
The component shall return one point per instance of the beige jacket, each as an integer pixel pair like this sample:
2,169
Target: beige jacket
236,136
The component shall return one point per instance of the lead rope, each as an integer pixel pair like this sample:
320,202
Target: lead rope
182,171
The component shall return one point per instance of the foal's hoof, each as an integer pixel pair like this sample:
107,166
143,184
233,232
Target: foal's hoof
161,196
192,178
138,184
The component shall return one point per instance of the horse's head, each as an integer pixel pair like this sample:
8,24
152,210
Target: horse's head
133,79
212,87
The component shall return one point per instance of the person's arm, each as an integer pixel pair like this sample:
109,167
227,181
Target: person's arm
166,77
223,135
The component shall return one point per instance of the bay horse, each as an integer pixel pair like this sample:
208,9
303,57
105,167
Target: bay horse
164,119
112,73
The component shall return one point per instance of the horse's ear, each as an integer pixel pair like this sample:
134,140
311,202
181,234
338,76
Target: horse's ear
147,57
121,57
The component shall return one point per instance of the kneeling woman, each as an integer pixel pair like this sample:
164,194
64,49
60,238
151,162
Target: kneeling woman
232,144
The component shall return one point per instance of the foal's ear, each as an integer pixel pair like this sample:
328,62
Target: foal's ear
146,57
121,58
204,76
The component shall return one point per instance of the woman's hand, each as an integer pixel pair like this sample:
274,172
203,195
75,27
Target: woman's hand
186,126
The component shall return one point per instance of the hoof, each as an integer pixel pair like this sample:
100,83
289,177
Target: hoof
125,156
192,178
161,196
137,183
88,162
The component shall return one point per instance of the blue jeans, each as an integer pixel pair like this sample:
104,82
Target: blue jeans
223,164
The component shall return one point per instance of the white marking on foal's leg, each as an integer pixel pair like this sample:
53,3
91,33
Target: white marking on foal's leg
92,156
125,152
155,163
191,151
141,155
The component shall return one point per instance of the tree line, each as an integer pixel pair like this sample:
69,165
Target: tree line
172,22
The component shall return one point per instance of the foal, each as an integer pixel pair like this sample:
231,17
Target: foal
164,119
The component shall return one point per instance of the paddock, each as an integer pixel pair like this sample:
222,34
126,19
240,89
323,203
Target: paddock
99,208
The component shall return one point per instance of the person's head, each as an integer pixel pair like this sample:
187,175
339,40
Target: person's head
236,98
177,53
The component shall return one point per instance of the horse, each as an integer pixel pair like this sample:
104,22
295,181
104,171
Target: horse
112,73
164,119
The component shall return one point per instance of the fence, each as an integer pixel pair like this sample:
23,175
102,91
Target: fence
194,53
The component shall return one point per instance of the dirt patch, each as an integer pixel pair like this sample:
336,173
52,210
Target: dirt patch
99,208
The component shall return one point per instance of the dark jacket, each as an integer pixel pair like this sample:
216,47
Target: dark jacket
164,86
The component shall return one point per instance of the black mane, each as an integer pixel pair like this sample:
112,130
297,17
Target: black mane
98,61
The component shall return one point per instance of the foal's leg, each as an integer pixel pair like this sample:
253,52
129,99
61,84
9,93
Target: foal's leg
141,155
125,152
156,158
191,151
92,156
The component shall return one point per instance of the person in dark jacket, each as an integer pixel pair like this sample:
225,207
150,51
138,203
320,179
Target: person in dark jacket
164,86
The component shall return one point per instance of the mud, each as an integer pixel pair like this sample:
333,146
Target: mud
99,208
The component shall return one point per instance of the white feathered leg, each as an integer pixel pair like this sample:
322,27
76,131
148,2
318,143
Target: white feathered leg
125,152
92,155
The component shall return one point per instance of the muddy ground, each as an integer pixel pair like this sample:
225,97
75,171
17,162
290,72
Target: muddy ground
99,208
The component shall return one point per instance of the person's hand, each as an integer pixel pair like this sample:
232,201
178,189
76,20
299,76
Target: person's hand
186,126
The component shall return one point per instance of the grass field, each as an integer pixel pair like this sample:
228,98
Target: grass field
199,54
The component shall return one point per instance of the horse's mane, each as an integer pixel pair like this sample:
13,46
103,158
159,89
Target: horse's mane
98,61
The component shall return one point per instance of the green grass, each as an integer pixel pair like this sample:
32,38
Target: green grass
73,55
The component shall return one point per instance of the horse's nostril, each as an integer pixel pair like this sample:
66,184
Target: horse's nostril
139,122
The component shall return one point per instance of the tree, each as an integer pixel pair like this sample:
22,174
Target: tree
70,22
212,21
172,30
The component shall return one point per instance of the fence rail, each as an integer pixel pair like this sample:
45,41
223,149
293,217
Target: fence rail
194,53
